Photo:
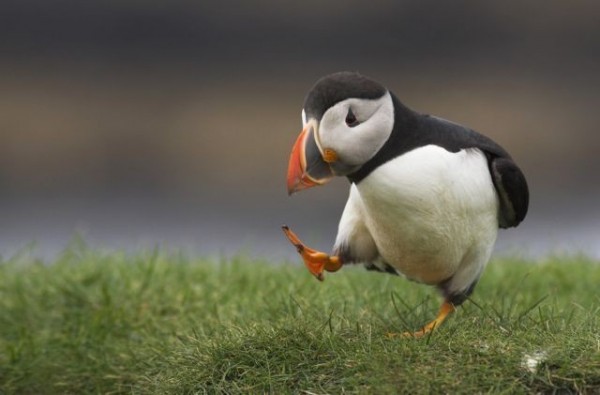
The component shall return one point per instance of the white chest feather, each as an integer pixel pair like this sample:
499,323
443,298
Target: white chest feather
432,213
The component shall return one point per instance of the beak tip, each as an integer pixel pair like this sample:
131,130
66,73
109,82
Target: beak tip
299,185
294,185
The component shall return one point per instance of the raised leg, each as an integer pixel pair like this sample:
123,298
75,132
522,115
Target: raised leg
315,261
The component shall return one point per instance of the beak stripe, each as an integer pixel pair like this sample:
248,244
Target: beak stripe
306,166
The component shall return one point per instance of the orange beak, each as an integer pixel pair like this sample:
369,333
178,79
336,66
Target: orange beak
306,167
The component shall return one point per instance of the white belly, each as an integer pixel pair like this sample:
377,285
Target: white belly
432,212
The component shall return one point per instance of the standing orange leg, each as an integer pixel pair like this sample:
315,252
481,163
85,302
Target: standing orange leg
445,310
315,261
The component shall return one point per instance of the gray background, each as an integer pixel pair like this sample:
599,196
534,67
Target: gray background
136,124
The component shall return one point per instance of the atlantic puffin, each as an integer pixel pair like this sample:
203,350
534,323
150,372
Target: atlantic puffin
427,196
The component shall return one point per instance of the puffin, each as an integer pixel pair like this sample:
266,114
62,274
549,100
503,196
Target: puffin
427,195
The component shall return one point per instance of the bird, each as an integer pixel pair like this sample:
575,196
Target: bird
427,196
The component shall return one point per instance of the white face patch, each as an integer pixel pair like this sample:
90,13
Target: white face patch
355,145
303,118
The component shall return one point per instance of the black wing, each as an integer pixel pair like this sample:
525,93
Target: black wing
512,189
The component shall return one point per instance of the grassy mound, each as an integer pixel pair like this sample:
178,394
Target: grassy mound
159,323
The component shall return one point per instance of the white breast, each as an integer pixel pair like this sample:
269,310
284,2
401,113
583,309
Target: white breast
432,213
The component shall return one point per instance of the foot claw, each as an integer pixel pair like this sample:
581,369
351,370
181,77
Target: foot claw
299,248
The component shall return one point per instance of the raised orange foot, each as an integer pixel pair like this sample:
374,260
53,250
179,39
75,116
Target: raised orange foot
315,261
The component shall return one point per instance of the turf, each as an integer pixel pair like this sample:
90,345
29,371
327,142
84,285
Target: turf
156,322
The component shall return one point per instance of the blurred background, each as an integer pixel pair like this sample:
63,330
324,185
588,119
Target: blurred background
135,124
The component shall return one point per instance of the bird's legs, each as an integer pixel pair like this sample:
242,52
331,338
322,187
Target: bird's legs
445,309
315,261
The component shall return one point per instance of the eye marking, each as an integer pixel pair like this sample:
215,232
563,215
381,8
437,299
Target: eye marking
351,120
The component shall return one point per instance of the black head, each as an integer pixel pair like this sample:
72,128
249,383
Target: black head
337,87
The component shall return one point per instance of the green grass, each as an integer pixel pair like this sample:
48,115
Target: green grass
159,323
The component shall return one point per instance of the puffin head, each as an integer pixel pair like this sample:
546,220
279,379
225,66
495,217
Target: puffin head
347,118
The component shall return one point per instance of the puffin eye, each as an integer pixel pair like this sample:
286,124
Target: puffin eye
351,119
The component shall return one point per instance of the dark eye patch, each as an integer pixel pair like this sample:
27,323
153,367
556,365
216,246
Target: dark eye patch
351,120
